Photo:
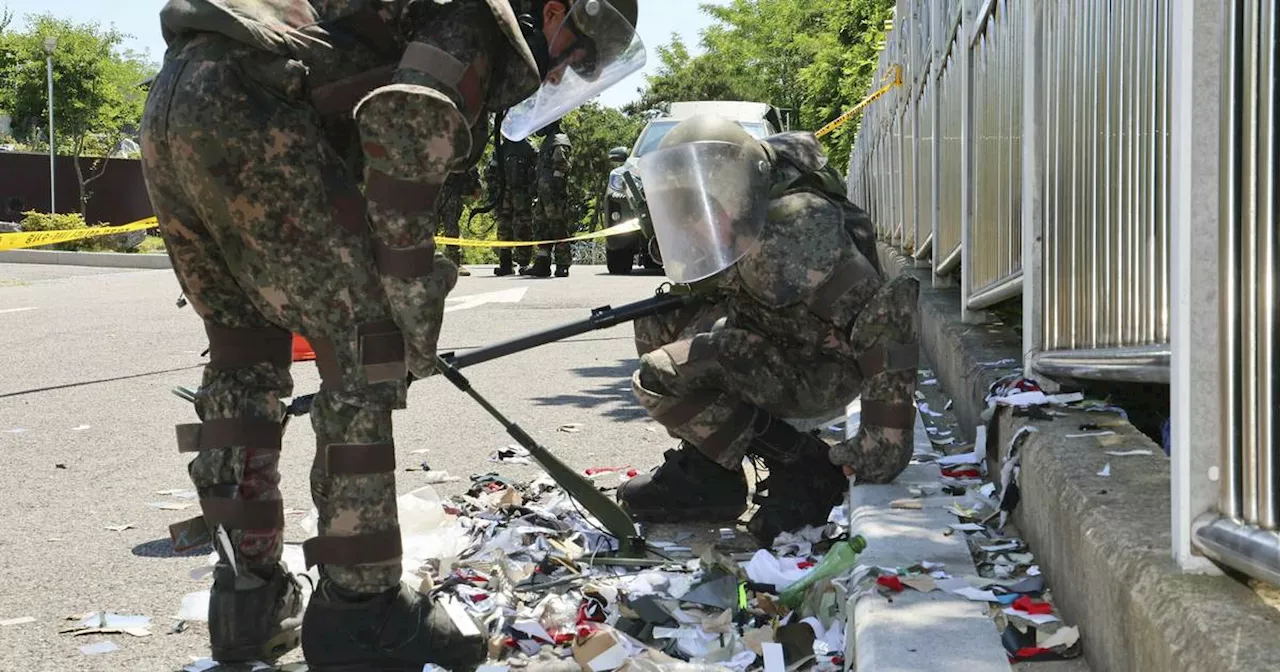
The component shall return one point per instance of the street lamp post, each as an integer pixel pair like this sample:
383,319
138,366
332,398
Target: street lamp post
51,43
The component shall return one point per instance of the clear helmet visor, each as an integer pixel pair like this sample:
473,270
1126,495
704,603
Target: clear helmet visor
606,50
707,201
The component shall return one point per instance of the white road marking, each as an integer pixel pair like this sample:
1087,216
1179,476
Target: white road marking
477,300
16,310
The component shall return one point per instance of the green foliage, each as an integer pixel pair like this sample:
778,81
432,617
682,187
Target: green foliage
594,130
43,221
97,98
814,57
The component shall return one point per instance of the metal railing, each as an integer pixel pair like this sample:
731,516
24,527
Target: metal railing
1106,148
1101,135
995,261
1243,532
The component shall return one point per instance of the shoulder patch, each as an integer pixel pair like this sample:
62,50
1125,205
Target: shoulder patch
800,244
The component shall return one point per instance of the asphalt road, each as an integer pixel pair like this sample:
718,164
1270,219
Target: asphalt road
87,439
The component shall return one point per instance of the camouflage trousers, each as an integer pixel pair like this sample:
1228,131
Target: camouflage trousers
450,216
708,382
551,222
262,252
515,222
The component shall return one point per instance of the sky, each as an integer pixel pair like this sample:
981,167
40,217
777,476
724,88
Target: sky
140,18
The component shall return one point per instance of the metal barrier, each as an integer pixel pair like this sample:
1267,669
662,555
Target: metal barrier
1106,147
946,244
994,261
1243,532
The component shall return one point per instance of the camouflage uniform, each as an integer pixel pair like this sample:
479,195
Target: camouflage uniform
259,131
796,329
458,188
551,220
515,210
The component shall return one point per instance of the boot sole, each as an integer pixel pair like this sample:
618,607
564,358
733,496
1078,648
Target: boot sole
272,649
702,515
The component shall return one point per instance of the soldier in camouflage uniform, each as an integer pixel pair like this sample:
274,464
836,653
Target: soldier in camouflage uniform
267,119
515,204
550,220
458,188
798,321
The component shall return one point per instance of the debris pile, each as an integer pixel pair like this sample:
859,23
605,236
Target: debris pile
553,591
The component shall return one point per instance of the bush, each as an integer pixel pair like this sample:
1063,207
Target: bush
44,221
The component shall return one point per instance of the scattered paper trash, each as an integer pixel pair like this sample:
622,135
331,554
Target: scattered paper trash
194,607
1106,470
81,428
119,528
17,621
1089,435
570,427
1129,453
171,506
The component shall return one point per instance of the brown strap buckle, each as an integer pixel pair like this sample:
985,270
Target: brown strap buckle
360,458
410,197
890,357
847,274
240,514
887,415
405,263
341,97
359,549
238,348
258,434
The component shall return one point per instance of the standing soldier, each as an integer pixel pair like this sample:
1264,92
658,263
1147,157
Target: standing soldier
517,181
458,187
551,217
293,152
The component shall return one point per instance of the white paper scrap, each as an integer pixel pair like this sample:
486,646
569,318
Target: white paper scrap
195,607
17,621
1065,637
967,527
774,661
1128,453
1106,470
1033,570
1070,398
100,647
1087,435
963,458
1038,619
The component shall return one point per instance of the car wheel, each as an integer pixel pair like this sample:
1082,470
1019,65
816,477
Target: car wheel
647,259
620,261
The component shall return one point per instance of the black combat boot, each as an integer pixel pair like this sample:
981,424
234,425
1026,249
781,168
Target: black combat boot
688,486
541,268
562,271
254,615
399,629
504,264
802,486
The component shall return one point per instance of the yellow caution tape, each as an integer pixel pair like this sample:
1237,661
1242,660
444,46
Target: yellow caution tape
625,227
893,77
18,241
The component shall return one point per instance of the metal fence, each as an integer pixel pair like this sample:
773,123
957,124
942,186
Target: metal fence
1101,135
1243,532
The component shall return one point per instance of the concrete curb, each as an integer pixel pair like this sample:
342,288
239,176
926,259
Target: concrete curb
903,635
98,259
1102,542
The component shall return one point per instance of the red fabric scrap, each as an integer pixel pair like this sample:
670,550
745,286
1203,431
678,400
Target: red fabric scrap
891,582
1029,652
961,473
805,564
592,471
1031,606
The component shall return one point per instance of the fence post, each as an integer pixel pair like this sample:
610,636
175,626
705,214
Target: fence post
1196,56
938,36
1033,160
964,62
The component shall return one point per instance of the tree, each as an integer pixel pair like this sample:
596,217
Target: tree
594,130
97,98
814,57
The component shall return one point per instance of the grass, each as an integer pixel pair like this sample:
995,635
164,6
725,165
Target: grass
151,245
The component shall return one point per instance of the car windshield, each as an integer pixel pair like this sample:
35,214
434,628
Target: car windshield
659,129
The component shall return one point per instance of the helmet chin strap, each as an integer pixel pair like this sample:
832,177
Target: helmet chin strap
530,20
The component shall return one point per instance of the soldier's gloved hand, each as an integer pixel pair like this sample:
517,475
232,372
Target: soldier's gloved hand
875,454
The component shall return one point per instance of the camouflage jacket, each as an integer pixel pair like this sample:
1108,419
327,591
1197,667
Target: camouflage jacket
335,53
815,265
553,162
